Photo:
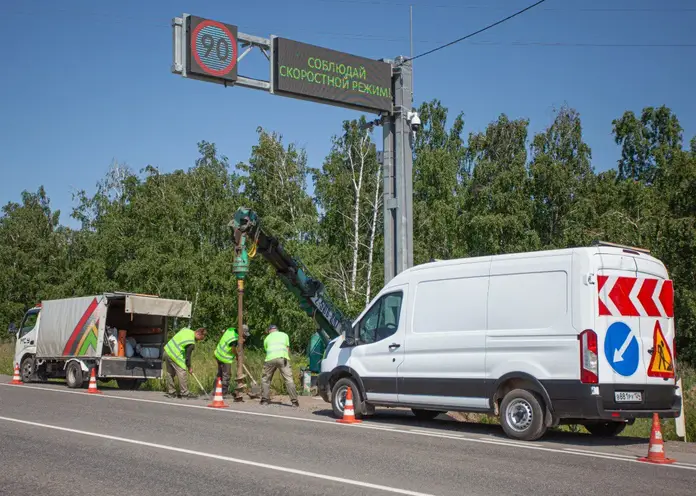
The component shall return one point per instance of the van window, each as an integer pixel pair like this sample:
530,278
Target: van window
536,300
451,305
382,320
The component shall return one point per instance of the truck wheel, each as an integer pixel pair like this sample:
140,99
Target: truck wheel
522,415
338,397
605,429
425,414
128,384
73,375
26,368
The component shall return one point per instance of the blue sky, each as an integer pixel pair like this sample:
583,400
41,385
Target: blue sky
88,82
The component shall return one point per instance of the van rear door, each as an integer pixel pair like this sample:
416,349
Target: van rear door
617,321
655,302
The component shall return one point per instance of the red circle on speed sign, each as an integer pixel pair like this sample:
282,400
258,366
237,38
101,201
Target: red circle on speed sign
214,47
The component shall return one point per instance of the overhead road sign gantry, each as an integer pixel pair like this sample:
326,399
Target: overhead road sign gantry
209,50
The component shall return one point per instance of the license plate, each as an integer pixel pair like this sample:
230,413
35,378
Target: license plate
625,397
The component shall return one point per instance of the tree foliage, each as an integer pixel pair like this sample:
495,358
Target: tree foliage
498,190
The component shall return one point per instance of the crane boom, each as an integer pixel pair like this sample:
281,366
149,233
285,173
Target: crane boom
309,292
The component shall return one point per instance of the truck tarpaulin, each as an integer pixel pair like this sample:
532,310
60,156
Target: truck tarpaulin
147,305
70,327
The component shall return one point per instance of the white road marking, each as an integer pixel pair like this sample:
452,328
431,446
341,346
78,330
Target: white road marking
367,425
430,431
222,457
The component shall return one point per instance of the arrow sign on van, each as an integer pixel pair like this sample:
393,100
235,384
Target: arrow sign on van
622,349
619,354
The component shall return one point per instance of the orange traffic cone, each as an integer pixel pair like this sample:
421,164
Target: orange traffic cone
348,413
656,448
92,389
16,379
218,401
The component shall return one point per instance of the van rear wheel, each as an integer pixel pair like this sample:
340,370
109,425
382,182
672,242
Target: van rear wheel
605,429
522,415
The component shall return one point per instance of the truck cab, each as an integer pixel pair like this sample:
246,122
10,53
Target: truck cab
25,346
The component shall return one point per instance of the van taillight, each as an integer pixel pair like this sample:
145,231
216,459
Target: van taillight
589,367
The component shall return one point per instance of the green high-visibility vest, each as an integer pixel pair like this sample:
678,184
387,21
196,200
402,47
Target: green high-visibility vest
223,352
176,346
276,345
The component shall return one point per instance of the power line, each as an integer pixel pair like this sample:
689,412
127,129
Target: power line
462,6
479,31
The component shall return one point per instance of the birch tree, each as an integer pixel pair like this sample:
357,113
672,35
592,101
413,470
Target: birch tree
348,190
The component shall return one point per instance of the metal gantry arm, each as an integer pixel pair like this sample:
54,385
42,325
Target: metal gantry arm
309,292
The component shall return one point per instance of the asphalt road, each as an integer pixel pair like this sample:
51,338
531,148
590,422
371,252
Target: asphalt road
62,442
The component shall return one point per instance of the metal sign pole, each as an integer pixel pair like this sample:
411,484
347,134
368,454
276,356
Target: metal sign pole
389,198
398,175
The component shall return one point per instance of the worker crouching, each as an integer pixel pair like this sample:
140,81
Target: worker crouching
177,356
277,346
226,353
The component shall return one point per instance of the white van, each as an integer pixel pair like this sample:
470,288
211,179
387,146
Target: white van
575,336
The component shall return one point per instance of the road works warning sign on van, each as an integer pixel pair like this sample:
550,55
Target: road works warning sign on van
661,363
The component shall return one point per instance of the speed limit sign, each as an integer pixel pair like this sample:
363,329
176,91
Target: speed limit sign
212,48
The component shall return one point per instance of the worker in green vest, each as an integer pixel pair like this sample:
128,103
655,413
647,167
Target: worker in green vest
277,346
226,353
177,356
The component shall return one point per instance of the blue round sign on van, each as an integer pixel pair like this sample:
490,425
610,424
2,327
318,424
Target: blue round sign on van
622,349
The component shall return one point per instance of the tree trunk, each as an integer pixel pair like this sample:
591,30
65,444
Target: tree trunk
357,185
373,229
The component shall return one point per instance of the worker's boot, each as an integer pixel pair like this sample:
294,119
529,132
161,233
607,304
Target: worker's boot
295,403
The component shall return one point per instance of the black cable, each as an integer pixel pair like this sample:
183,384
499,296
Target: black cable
476,32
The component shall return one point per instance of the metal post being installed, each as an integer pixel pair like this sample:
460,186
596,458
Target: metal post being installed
240,268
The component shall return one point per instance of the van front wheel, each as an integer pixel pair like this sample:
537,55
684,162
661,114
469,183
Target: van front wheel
522,415
338,397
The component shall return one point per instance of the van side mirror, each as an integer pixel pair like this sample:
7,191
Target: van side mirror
12,329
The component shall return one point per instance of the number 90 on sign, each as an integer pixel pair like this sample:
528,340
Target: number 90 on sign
212,49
